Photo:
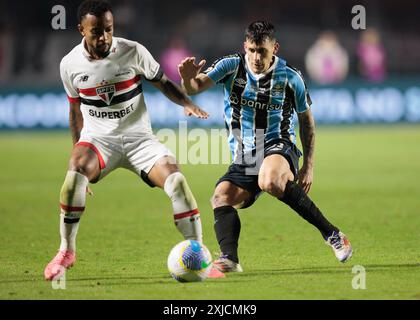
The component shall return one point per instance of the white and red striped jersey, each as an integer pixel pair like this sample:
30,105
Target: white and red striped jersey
110,89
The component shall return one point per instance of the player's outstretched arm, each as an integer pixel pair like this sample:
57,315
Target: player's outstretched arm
193,81
75,121
307,137
177,95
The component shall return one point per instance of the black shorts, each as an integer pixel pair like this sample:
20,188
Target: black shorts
237,172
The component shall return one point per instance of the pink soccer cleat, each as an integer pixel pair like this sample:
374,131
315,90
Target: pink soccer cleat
57,266
214,274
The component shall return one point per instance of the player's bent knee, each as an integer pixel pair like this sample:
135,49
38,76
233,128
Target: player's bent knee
272,186
275,185
174,183
288,176
74,187
85,168
176,187
78,168
220,200
268,185
281,188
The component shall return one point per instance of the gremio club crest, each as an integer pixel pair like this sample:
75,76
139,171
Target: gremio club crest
106,93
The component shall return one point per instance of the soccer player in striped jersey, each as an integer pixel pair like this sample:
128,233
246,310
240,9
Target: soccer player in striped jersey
261,94
110,127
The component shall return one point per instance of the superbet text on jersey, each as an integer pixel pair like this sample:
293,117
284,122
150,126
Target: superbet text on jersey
110,89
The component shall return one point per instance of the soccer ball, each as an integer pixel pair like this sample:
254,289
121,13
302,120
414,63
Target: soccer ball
189,261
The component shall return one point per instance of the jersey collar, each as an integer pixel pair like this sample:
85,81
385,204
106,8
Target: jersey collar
260,75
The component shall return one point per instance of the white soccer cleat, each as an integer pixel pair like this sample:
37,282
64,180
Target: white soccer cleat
341,246
224,265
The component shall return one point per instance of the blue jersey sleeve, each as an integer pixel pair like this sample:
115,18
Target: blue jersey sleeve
222,68
297,84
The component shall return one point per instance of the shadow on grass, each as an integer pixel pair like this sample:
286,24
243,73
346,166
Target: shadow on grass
328,270
70,279
109,280
147,280
164,278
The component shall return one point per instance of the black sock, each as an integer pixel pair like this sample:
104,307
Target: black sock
297,199
227,227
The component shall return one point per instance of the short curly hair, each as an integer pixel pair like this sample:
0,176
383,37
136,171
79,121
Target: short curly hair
93,7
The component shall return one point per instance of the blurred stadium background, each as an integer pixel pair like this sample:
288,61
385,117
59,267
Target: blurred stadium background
354,75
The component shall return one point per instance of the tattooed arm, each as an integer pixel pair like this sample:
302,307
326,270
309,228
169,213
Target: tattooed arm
75,121
307,137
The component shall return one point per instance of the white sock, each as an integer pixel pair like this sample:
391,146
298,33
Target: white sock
186,214
68,232
72,203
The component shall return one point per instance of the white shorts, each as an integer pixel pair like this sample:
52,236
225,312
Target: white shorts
135,153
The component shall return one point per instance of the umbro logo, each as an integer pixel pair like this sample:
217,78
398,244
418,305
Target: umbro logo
240,82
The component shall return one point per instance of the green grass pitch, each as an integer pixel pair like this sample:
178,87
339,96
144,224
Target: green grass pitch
366,182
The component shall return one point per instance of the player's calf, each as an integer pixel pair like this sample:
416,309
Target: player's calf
227,227
72,204
227,224
186,214
295,197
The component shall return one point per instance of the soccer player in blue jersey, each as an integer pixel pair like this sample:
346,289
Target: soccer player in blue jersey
261,94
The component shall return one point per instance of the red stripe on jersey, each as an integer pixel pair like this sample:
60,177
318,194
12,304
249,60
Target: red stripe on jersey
68,208
186,214
94,149
73,100
118,86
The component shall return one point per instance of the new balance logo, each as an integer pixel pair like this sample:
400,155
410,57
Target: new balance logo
83,78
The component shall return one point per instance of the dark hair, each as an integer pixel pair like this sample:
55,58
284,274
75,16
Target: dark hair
258,31
93,7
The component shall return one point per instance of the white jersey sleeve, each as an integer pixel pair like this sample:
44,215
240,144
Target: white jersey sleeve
72,92
147,65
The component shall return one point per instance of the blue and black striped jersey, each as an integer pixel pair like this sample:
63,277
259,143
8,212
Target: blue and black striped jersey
259,103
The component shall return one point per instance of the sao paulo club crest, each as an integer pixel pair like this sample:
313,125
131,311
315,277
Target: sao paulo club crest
106,93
